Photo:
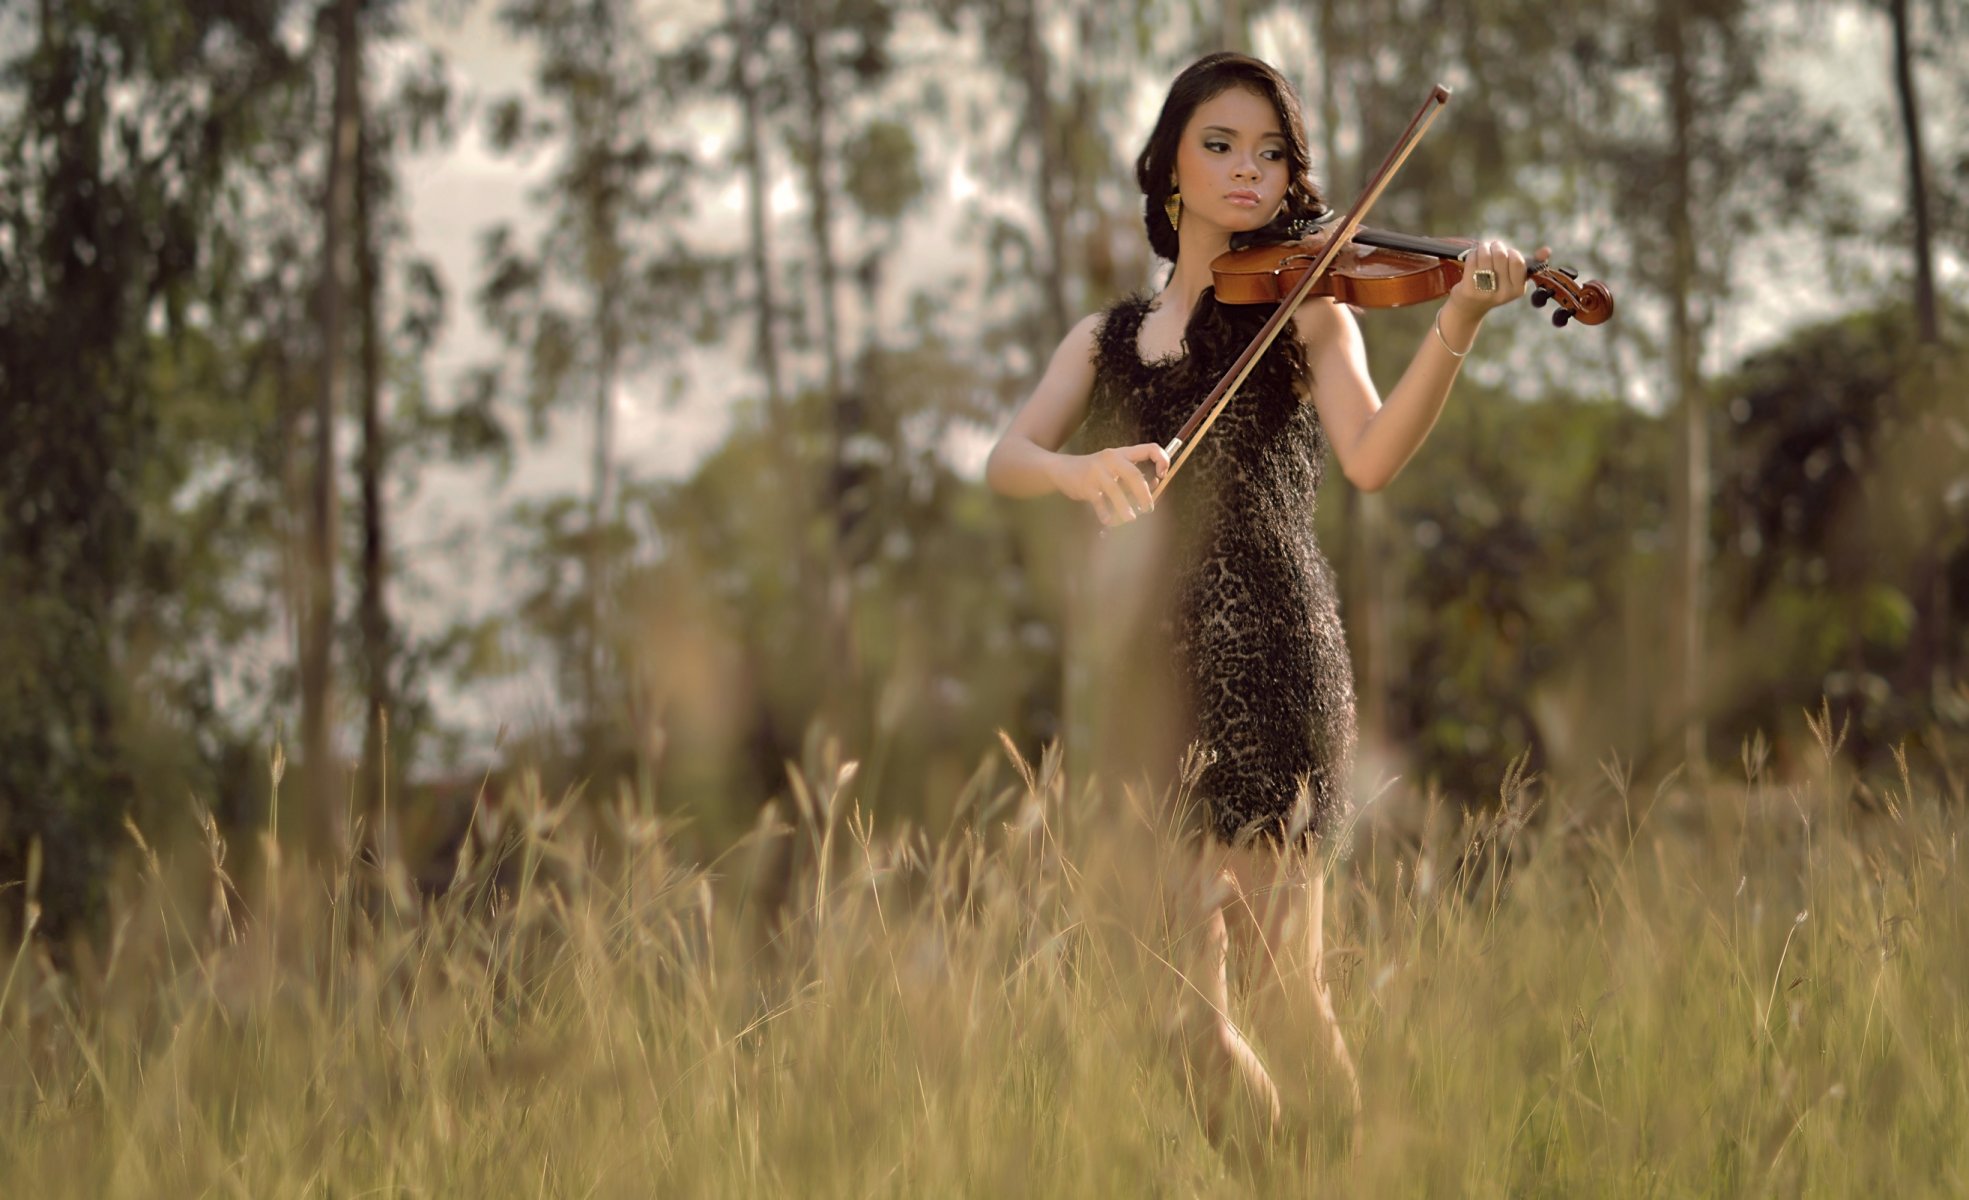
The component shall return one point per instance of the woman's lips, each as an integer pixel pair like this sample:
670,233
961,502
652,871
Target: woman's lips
1243,199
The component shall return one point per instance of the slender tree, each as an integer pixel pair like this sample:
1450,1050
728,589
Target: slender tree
1921,231
747,28
610,288
1697,149
343,39
374,619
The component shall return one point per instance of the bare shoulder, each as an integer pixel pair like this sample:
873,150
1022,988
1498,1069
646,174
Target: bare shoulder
1074,358
1081,338
1324,325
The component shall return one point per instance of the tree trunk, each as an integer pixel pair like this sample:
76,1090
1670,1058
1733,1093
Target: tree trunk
375,618
1233,31
745,31
1929,668
1052,214
1692,496
1367,600
843,663
601,502
1925,309
603,255
338,215
820,202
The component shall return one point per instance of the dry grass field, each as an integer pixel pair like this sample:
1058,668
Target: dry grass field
1751,987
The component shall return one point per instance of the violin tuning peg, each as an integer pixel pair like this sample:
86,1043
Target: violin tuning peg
1561,318
1540,297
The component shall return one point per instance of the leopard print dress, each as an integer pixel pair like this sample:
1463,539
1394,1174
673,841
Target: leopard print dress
1248,616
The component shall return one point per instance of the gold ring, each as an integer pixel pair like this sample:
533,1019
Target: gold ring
1485,279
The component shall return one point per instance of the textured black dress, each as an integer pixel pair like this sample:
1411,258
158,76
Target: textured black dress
1246,617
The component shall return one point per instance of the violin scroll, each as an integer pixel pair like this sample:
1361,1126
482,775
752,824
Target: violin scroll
1589,303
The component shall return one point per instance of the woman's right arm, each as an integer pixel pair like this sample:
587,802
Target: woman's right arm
1027,462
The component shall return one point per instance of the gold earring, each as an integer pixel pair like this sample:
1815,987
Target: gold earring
1174,207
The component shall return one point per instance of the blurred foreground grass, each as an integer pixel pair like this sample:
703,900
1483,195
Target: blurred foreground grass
1749,987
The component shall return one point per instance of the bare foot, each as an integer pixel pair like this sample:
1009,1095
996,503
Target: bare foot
1227,1085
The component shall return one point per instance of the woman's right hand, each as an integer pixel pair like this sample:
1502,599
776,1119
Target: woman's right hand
1110,480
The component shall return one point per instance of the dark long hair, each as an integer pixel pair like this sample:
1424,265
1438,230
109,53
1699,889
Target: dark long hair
1205,79
1217,331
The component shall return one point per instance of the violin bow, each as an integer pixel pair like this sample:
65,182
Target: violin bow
1191,434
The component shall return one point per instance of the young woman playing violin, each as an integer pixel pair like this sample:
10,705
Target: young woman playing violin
1250,667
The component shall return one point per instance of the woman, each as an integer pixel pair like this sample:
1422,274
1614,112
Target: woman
1257,675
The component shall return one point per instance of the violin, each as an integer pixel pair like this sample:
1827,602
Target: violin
1388,269
1378,268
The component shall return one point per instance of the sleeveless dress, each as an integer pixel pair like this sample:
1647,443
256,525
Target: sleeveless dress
1245,617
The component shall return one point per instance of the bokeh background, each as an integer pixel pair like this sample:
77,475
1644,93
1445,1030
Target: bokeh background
421,392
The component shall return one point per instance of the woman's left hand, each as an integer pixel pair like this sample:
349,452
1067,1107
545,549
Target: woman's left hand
1503,266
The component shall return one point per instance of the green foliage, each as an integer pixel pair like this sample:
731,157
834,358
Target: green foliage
720,628
1841,492
1519,546
882,173
111,168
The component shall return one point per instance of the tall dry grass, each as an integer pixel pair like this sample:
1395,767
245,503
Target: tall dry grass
1751,987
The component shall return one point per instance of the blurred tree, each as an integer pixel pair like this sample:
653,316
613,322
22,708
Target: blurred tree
326,821
415,115
841,49
1701,150
1930,667
1514,542
613,242
1071,72
114,177
747,23
951,631
1921,232
1839,511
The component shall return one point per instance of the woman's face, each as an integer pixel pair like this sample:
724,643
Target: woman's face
1231,164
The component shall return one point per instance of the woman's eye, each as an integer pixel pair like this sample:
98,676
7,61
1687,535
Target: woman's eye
1272,155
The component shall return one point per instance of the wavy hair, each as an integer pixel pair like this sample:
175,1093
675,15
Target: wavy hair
1218,331
1203,80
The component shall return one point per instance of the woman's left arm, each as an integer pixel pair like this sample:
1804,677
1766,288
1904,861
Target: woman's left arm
1374,439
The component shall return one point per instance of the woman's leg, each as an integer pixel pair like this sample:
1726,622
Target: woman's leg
1229,1085
1278,917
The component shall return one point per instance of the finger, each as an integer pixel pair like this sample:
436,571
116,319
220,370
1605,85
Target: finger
1151,453
1479,263
1117,500
1516,265
1535,264
1135,485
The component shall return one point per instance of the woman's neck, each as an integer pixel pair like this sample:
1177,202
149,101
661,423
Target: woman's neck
1198,244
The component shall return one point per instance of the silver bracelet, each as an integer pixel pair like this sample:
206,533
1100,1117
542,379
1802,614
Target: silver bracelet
1453,352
